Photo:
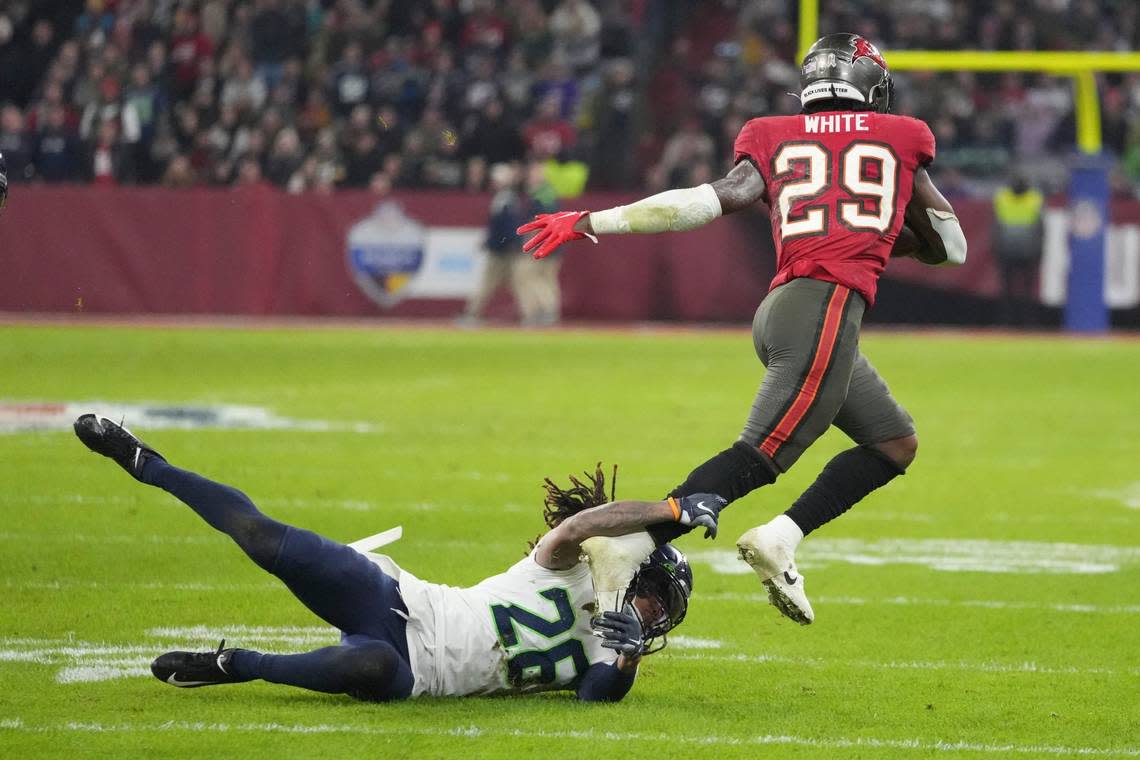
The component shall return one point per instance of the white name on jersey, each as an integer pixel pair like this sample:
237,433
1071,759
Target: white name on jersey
836,122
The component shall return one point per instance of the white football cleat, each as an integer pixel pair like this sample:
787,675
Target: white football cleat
773,559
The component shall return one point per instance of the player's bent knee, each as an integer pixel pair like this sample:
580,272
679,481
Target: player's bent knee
376,673
901,451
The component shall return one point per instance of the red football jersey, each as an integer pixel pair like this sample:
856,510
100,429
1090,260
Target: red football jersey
837,185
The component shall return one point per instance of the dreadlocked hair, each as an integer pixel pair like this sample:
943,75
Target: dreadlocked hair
561,503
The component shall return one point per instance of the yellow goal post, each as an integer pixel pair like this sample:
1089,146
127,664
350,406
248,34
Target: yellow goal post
1080,65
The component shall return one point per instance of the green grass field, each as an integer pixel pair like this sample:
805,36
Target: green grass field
985,605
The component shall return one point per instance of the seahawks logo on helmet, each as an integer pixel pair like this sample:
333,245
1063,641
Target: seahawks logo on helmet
666,578
845,71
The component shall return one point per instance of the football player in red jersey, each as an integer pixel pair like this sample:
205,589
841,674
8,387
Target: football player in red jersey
846,185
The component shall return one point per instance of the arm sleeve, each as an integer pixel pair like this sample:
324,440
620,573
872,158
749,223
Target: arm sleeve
603,682
925,149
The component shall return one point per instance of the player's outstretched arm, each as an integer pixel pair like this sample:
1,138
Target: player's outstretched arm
932,233
609,682
561,547
670,211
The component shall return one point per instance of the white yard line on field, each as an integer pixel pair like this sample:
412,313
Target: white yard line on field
159,538
627,737
975,667
72,584
952,555
1128,495
989,604
82,661
109,538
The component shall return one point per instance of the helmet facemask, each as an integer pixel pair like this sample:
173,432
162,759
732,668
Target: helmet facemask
666,595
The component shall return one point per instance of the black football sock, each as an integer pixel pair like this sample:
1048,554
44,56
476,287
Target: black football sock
372,671
846,479
224,507
734,472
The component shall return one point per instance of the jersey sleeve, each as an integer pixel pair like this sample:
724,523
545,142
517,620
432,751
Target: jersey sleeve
748,145
605,682
924,147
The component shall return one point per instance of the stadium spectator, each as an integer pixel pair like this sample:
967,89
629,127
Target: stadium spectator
538,291
57,156
189,47
1017,240
509,209
249,173
492,136
363,159
275,35
285,158
16,144
576,28
484,30
31,61
179,173
245,89
688,148
348,80
548,134
615,118
107,160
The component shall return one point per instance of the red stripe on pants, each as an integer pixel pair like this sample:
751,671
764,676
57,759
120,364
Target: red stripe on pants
824,350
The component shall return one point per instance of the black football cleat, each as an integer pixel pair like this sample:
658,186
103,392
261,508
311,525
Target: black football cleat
112,440
188,670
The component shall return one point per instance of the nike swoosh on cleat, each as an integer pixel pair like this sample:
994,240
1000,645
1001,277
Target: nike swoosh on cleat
791,579
173,681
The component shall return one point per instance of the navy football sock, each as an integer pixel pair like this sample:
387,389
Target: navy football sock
370,671
846,479
224,507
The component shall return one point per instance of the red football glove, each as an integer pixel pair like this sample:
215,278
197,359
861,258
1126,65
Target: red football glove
553,231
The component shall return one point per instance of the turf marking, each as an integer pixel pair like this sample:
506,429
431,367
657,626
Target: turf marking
351,505
990,604
692,642
64,584
262,633
479,732
951,555
513,547
86,662
111,538
91,673
23,416
974,667
1128,495
83,661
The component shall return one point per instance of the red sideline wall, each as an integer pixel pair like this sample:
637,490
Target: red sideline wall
258,251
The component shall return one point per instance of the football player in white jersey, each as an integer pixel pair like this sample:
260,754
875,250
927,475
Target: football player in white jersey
532,628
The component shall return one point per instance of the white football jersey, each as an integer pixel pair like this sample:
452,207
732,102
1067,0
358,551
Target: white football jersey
524,630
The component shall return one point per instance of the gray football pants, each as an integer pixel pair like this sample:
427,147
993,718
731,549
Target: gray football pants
806,333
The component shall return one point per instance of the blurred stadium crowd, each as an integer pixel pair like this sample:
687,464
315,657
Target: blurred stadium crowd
319,94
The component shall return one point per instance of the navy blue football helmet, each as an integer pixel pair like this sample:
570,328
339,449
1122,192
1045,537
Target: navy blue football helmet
665,579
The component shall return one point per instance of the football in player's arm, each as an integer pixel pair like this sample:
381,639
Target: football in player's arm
405,637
